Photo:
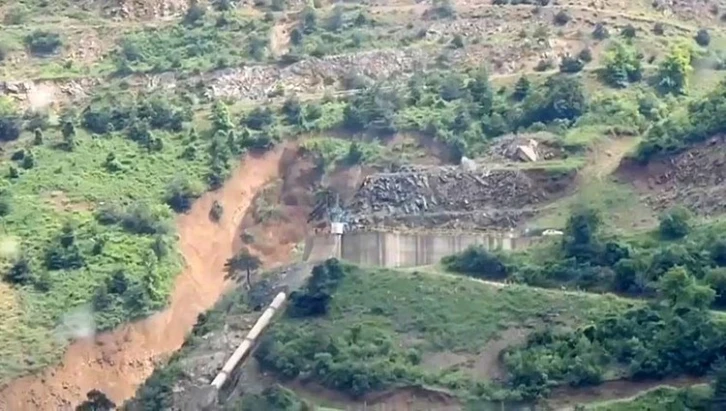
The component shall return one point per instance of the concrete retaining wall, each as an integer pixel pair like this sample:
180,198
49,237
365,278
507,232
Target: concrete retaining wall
384,249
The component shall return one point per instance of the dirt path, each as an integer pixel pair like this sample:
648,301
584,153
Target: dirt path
117,362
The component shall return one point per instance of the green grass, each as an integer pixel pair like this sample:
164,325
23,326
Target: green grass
80,179
390,320
661,398
449,313
618,204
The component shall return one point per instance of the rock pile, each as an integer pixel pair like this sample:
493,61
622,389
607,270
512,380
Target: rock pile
695,179
451,196
310,75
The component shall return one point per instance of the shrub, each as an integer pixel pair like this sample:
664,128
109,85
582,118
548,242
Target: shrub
703,38
600,32
674,224
658,29
562,18
585,55
19,273
314,299
43,42
628,31
477,262
571,64
9,128
180,193
215,213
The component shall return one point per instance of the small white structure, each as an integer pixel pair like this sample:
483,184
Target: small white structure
337,228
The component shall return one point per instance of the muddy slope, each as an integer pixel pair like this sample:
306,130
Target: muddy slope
117,362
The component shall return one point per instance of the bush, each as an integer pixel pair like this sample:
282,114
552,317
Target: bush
571,64
674,224
180,193
628,31
658,29
585,55
562,18
215,213
703,38
43,42
314,299
10,127
477,262
600,32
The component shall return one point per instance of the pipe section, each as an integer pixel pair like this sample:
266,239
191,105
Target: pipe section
249,341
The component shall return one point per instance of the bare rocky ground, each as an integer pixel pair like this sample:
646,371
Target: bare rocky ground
695,178
452,197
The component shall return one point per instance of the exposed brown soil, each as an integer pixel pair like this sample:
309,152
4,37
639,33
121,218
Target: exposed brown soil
118,361
695,178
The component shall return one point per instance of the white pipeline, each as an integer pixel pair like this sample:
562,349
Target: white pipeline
249,341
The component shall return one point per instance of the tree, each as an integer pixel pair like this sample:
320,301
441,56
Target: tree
38,137
243,261
180,193
674,224
20,272
570,64
580,238
600,32
658,29
562,18
628,31
585,55
622,65
674,70
718,400
194,13
296,36
521,88
679,289
69,135
220,117
96,401
309,20
9,127
703,38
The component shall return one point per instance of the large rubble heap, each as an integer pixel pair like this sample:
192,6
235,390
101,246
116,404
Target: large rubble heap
695,178
454,198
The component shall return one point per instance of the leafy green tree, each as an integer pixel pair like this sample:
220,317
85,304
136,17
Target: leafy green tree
69,135
20,272
96,401
628,32
244,261
521,88
570,64
580,237
679,289
674,70
220,117
309,20
675,223
38,137
180,193
622,65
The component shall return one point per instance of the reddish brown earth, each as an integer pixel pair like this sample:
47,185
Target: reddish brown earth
119,361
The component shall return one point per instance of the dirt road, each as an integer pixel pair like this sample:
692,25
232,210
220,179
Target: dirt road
118,361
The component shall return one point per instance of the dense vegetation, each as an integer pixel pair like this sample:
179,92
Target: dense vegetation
674,335
344,329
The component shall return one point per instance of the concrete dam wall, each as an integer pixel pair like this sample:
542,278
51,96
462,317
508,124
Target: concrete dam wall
389,249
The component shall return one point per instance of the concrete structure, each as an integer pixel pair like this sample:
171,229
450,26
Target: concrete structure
244,348
388,249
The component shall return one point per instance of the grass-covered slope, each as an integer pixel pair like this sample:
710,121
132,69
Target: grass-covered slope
384,328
